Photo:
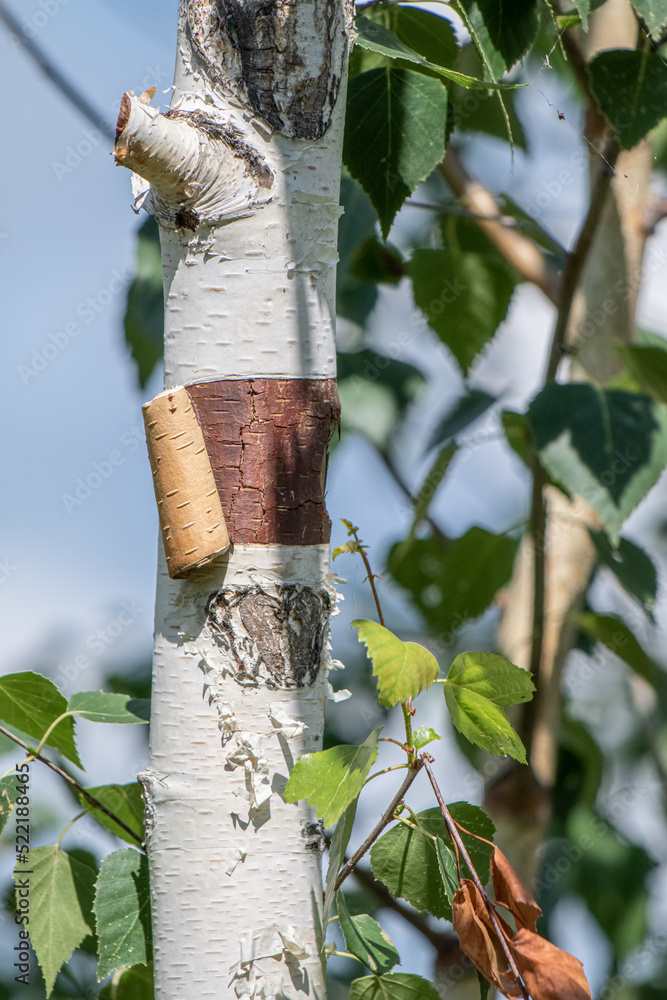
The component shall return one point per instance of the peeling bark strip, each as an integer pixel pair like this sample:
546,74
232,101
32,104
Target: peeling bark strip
267,442
254,50
191,519
274,639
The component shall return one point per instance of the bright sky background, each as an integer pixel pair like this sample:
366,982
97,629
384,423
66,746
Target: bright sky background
69,387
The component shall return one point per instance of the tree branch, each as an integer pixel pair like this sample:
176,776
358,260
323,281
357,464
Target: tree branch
54,75
538,515
519,251
384,821
75,784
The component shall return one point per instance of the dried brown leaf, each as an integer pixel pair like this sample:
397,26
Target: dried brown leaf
548,972
511,891
478,938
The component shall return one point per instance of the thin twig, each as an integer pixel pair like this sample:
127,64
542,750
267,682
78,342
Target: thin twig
384,821
518,250
75,784
49,69
456,837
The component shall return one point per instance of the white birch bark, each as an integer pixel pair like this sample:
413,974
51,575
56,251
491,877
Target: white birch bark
244,180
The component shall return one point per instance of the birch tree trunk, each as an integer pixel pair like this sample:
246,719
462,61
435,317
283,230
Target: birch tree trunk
242,174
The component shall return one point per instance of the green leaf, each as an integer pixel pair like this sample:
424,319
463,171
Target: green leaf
453,582
394,986
448,870
403,669
132,984
85,871
429,34
464,296
422,736
583,9
631,90
406,860
366,940
337,848
57,925
9,792
355,298
101,706
375,392
632,567
613,633
466,410
510,30
144,313
122,908
654,15
377,38
32,703
608,446
125,801
332,779
484,986
394,135
648,365
477,689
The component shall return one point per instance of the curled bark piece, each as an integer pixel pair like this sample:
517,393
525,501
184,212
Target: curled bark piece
191,518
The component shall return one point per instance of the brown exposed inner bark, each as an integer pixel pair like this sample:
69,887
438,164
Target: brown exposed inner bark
267,441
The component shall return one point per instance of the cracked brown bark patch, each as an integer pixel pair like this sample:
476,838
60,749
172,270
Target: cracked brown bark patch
274,639
267,441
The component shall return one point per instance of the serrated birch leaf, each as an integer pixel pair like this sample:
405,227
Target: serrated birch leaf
124,801
653,13
631,90
394,986
332,779
123,912
394,135
454,582
57,925
104,706
422,736
405,860
366,940
377,38
606,445
403,669
511,32
477,689
464,297
337,848
9,792
632,566
32,703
